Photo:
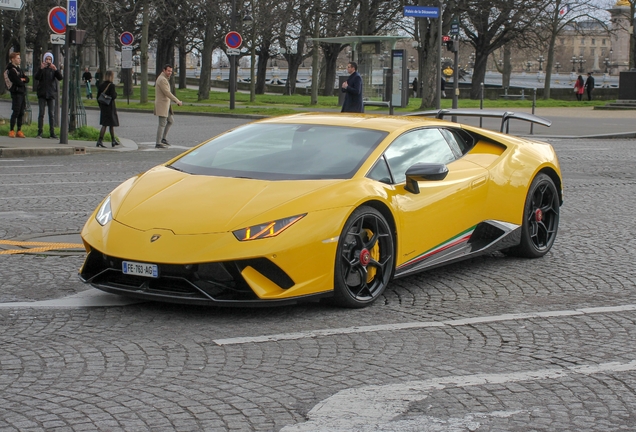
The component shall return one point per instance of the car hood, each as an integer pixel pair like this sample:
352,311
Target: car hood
186,204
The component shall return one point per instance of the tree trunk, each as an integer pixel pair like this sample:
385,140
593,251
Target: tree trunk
206,61
261,73
183,68
331,52
165,51
507,67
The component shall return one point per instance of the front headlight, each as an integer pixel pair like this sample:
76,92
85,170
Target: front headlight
266,230
104,215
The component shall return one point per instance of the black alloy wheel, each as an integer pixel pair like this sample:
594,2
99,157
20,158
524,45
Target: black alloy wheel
364,259
540,219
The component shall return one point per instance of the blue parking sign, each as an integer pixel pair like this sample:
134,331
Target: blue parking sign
71,12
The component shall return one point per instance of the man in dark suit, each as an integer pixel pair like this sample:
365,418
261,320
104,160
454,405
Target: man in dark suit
589,85
352,88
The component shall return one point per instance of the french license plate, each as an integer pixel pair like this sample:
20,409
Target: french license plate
140,269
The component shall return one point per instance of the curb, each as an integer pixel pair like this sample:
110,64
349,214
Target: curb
81,148
26,152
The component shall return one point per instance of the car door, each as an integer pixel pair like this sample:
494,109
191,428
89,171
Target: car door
444,211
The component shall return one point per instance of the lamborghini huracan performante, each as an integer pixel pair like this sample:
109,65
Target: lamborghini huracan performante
315,205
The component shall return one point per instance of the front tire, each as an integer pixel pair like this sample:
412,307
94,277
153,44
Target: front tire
540,219
364,259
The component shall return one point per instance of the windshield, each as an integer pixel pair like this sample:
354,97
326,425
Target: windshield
283,152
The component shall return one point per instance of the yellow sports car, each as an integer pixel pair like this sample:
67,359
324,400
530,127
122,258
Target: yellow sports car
316,205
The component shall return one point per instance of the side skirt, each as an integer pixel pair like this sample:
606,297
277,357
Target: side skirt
483,238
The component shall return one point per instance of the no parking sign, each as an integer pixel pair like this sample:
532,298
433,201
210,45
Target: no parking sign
57,20
126,38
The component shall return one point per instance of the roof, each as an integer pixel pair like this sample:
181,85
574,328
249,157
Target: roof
383,122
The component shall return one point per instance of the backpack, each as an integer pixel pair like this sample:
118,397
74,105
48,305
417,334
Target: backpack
7,80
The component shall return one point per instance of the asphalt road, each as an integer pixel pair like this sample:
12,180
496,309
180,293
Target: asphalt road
495,343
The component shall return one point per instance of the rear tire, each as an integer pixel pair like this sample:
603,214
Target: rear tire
540,219
364,259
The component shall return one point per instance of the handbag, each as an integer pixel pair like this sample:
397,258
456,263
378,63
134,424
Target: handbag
104,98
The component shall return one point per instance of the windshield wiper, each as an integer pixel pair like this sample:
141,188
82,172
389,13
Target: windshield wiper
174,168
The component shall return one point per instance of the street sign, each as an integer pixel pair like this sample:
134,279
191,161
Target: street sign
126,57
15,5
71,6
233,39
454,28
57,39
233,51
57,20
421,11
126,38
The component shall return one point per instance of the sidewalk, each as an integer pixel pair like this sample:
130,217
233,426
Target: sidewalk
567,123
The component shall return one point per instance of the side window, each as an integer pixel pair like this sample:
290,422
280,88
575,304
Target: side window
424,145
459,140
380,172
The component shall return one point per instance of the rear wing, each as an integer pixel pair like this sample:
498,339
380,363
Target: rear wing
505,116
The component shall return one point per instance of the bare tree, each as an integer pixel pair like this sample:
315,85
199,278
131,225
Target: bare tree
558,16
490,25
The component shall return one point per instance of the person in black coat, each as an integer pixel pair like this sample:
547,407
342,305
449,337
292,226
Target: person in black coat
589,85
18,93
352,88
108,112
47,77
87,77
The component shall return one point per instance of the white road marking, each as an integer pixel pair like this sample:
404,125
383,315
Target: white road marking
373,408
53,196
417,325
25,166
62,173
89,298
60,183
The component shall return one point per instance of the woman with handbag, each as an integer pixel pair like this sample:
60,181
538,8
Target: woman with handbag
579,88
106,95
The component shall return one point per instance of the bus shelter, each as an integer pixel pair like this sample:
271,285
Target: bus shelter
375,55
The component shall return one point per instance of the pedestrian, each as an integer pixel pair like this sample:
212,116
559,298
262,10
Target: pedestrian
589,85
47,77
352,88
579,88
415,87
98,78
87,77
108,111
18,81
443,87
163,109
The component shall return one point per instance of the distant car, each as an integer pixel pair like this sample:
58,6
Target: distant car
306,206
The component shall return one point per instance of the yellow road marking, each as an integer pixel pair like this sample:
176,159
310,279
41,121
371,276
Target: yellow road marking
41,247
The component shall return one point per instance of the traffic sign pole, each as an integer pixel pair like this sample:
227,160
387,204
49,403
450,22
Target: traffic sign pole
65,92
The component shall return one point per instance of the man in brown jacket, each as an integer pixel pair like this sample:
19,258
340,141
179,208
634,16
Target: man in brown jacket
163,96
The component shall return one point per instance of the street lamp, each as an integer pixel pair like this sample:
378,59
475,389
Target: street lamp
573,63
540,60
581,61
557,66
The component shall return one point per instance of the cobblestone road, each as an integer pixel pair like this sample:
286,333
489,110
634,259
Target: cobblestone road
495,343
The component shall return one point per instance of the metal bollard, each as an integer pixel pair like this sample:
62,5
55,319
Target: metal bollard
481,102
534,105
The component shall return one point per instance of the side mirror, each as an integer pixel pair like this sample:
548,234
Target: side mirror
424,171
